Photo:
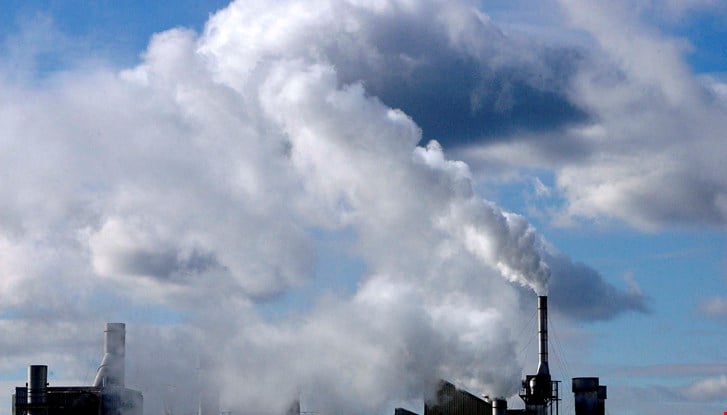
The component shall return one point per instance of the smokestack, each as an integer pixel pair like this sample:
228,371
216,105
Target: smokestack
539,386
111,370
37,384
543,368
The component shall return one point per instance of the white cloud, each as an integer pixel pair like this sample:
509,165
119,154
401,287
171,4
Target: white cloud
709,389
653,164
646,150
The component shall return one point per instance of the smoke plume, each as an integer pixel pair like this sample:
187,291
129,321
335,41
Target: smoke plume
186,193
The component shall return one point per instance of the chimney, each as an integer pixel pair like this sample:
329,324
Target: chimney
543,335
111,370
540,387
37,384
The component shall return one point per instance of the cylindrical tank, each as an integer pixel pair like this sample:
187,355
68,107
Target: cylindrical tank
499,406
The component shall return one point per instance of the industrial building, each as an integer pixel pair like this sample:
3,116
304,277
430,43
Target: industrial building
107,396
540,393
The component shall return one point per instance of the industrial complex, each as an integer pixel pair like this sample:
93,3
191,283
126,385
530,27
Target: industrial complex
109,396
539,392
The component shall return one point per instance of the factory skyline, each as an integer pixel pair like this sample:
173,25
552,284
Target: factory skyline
108,395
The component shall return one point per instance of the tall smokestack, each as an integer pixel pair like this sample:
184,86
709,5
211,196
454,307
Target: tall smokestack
111,371
543,368
539,388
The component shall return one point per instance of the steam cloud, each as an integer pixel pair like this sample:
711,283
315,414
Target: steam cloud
195,183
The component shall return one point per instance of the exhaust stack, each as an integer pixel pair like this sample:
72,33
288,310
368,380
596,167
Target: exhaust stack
539,391
543,368
111,371
37,390
37,384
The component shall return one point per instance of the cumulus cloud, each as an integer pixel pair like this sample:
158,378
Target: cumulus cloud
649,161
646,151
197,181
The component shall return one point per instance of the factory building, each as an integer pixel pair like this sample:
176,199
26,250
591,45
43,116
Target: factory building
107,396
539,392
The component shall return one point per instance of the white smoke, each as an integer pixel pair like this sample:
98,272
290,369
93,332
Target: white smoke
196,182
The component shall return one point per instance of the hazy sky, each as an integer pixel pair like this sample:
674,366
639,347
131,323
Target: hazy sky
349,199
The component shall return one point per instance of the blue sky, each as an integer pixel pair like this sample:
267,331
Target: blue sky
264,175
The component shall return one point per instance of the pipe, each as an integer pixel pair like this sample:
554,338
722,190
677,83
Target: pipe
111,371
543,368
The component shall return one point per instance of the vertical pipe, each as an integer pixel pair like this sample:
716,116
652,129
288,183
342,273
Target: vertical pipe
543,335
